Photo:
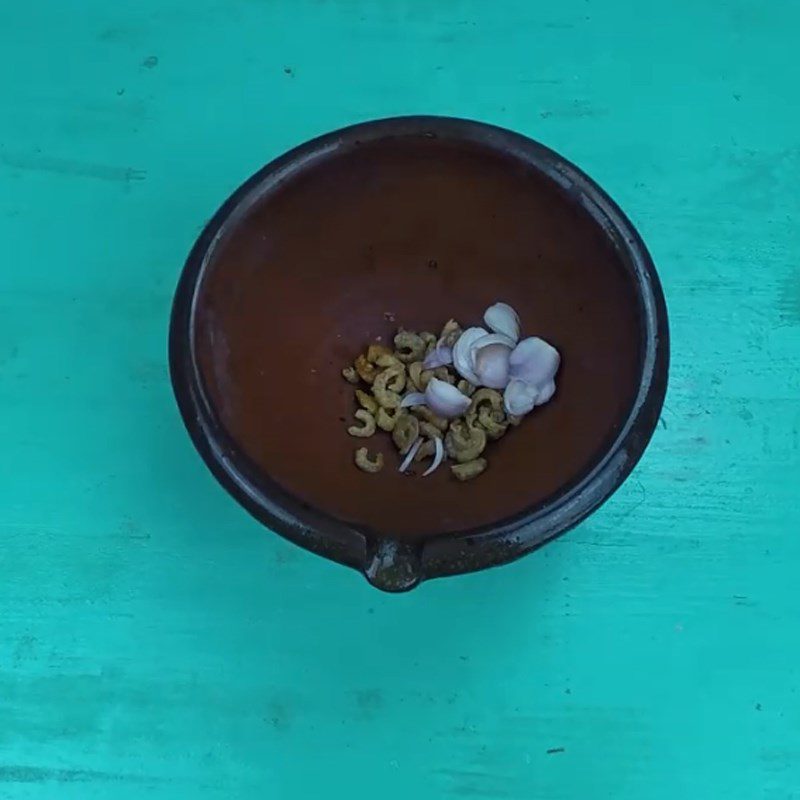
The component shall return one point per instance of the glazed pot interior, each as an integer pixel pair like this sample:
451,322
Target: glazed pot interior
410,230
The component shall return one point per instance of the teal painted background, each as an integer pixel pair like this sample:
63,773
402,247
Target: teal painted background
155,642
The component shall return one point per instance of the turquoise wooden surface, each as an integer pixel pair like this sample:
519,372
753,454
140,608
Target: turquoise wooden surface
155,642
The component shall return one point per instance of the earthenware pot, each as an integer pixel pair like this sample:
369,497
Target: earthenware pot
411,221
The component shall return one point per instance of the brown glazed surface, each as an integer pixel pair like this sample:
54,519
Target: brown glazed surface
422,229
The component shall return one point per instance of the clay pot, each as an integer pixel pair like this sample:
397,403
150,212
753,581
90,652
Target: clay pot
408,222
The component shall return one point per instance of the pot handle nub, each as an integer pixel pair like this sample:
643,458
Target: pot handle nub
393,566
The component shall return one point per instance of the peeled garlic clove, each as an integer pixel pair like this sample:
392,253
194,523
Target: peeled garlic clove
535,362
440,356
519,398
463,356
501,318
547,391
491,365
445,400
490,356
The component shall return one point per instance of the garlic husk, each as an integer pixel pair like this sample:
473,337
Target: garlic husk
413,399
440,356
437,458
445,400
501,318
410,455
463,355
493,338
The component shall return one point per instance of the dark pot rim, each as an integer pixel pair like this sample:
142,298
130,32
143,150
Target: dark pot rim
389,564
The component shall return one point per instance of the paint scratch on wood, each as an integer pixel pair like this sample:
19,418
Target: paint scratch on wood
17,773
74,168
789,300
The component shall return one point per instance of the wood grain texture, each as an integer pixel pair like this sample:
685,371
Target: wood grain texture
155,642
